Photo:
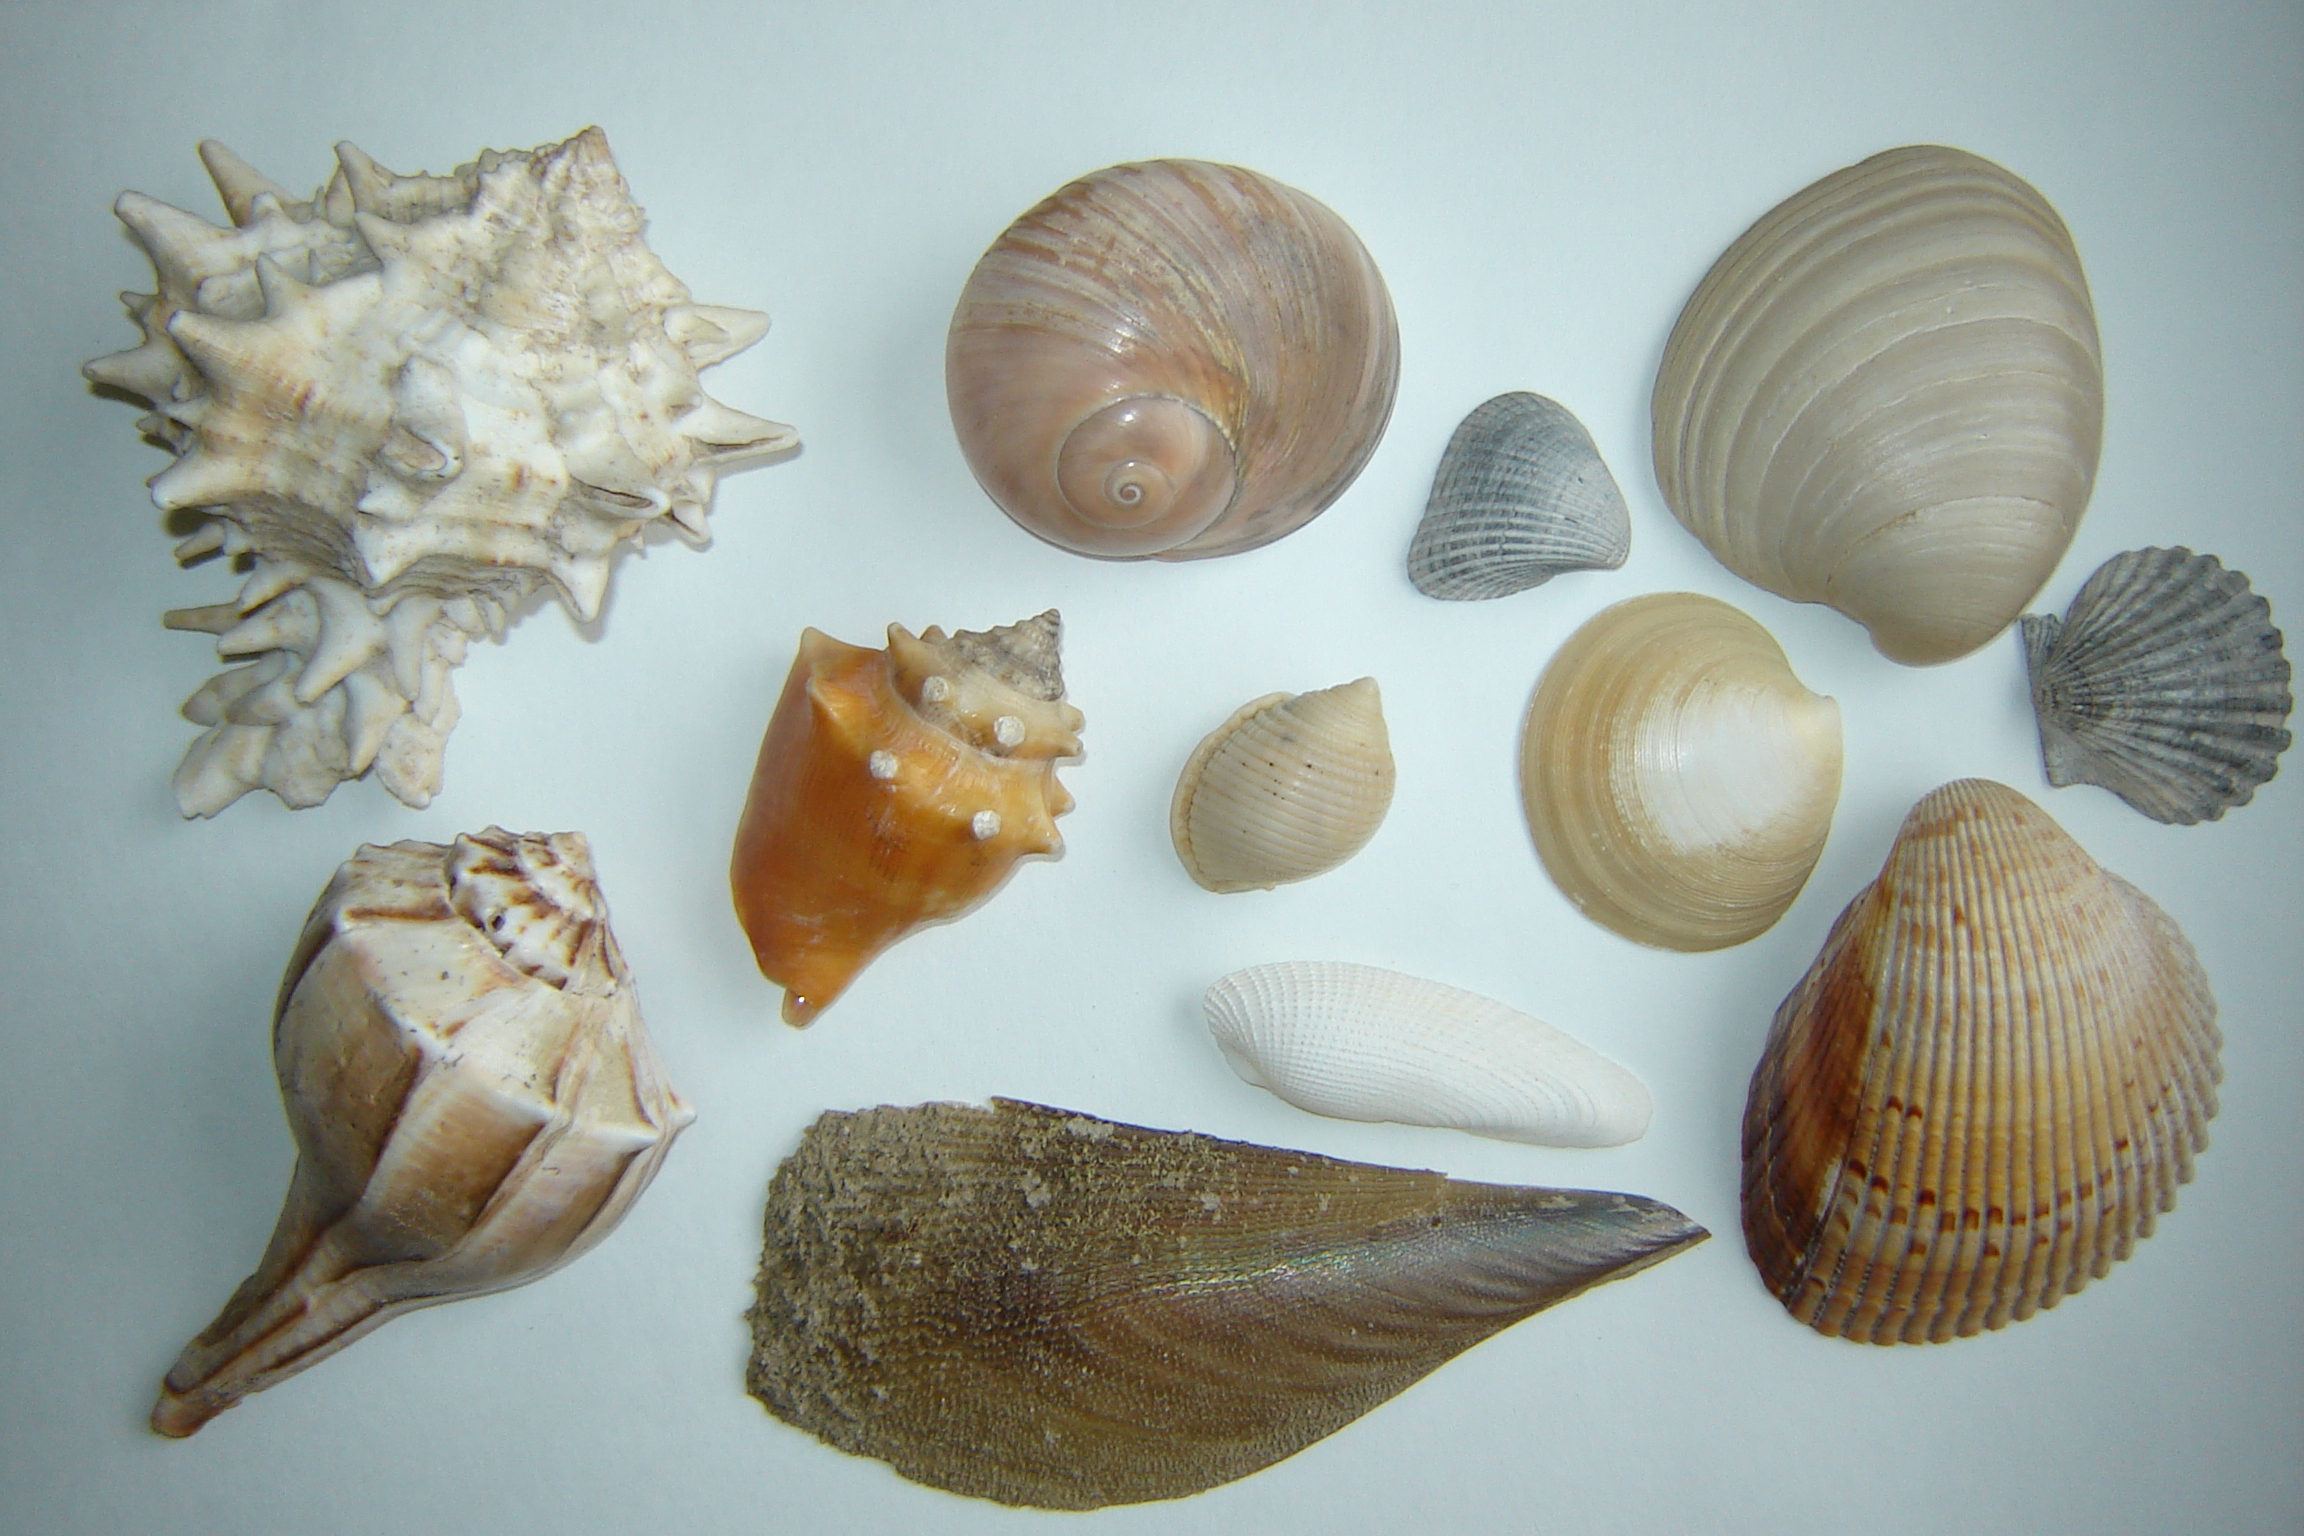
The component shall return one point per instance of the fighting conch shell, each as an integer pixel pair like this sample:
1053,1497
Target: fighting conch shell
403,408
896,788
1171,359
474,1098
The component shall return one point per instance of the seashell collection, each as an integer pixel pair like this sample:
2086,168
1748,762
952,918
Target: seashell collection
2165,682
1042,1308
405,406
1290,787
1521,496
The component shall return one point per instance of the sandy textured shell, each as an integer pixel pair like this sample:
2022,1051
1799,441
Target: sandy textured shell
403,408
2165,682
896,788
1887,396
1290,787
1985,1089
1678,780
1037,1307
1521,495
1171,359
474,1098
1361,1043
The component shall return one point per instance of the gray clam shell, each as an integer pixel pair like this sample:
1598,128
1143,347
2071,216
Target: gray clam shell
2164,682
1521,495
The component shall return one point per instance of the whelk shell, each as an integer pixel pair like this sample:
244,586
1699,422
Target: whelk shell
1045,1309
1361,1043
1290,787
1520,496
1986,1088
1171,359
1887,396
896,788
474,1098
2165,682
403,408
1678,780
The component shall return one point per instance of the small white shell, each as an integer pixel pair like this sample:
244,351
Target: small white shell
1290,787
1360,1043
1521,495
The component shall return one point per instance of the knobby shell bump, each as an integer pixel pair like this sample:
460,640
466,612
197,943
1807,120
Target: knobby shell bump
1887,396
1521,495
1046,1309
405,407
1171,359
2165,682
1361,1043
474,1099
1985,1090
1290,787
896,788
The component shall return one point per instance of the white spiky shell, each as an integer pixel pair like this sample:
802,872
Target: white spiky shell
1361,1043
407,405
1290,787
1521,495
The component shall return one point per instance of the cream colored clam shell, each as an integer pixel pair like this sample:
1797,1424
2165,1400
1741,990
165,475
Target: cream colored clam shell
1290,787
1887,396
1679,781
1361,1043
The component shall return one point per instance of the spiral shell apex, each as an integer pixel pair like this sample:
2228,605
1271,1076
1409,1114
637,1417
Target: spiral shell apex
1171,359
1290,787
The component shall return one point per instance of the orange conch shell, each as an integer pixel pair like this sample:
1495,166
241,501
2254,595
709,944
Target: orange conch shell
896,788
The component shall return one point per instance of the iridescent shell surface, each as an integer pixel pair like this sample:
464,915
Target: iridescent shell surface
1290,787
1521,495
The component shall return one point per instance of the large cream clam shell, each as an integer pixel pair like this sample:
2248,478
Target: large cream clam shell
1678,780
1361,1043
1171,359
1986,1088
1887,396
1290,787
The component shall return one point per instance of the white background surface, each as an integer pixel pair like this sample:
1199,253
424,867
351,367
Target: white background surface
1542,187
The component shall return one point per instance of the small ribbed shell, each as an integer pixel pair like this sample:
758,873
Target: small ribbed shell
1521,495
1290,787
1361,1043
2165,682
1887,396
1986,1088
1679,781
1171,359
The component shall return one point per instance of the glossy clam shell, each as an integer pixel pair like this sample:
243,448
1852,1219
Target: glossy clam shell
1290,787
1361,1043
1521,496
2165,682
1046,1309
1678,779
1171,359
1887,396
1986,1088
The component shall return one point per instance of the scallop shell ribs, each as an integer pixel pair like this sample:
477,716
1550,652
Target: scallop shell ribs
1520,496
1984,1091
404,408
474,1098
1045,1309
896,788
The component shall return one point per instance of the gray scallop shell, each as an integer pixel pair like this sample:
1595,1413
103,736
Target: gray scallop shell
1521,495
2164,682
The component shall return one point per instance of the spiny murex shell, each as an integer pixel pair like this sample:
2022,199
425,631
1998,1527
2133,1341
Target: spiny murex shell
1521,495
1290,787
1887,397
1038,1307
1172,359
474,1098
1362,1043
1986,1088
1678,779
896,788
2165,682
405,407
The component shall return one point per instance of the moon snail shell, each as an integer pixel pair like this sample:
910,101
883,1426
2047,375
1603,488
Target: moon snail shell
1171,359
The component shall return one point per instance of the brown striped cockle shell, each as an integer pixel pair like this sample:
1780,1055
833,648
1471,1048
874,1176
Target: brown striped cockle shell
1171,359
1678,779
1984,1091
1290,787
896,788
1046,1309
